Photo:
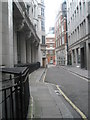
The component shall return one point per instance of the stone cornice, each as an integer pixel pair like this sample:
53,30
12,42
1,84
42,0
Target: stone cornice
80,41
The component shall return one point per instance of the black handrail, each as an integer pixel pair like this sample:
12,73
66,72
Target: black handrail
15,98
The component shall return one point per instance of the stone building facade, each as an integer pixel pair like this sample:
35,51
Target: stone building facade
19,40
41,33
61,35
78,21
19,31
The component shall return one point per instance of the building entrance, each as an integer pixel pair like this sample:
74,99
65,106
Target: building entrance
43,62
82,58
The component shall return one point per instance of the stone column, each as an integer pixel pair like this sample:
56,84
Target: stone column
39,54
72,58
32,53
87,26
87,53
7,33
28,51
36,54
15,46
76,55
22,47
65,54
89,60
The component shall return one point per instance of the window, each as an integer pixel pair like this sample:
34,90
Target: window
77,10
42,25
78,29
42,12
62,40
80,8
44,53
62,28
51,45
84,7
59,21
73,17
51,52
35,27
75,13
34,10
28,7
50,40
43,39
42,1
56,44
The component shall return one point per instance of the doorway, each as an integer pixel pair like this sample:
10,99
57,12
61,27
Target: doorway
82,58
43,62
89,58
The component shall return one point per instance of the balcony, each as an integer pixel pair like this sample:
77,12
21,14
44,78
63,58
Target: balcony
21,17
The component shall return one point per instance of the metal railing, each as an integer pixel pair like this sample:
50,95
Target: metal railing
15,98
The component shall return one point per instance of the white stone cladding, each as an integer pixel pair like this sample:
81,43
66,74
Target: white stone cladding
41,32
78,21
19,41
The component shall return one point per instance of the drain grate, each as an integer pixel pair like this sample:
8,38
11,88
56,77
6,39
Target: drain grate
57,92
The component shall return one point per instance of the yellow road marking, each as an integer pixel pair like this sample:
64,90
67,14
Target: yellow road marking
44,76
86,79
79,76
72,104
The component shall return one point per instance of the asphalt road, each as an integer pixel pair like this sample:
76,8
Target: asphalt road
74,87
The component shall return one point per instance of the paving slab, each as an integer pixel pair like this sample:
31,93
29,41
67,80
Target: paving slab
47,102
78,71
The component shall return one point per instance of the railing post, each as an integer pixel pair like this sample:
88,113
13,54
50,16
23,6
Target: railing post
11,101
16,102
5,105
21,99
18,95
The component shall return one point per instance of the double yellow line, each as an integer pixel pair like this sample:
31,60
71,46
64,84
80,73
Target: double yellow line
44,75
72,104
69,101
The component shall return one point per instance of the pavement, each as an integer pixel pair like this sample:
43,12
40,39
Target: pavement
72,85
77,70
46,101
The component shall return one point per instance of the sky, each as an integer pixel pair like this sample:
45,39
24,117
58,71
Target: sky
51,8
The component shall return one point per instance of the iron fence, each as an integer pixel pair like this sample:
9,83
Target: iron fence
15,97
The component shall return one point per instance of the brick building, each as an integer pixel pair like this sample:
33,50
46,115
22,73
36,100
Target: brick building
61,35
50,49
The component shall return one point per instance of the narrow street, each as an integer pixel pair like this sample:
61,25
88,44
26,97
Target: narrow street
48,100
74,87
44,59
